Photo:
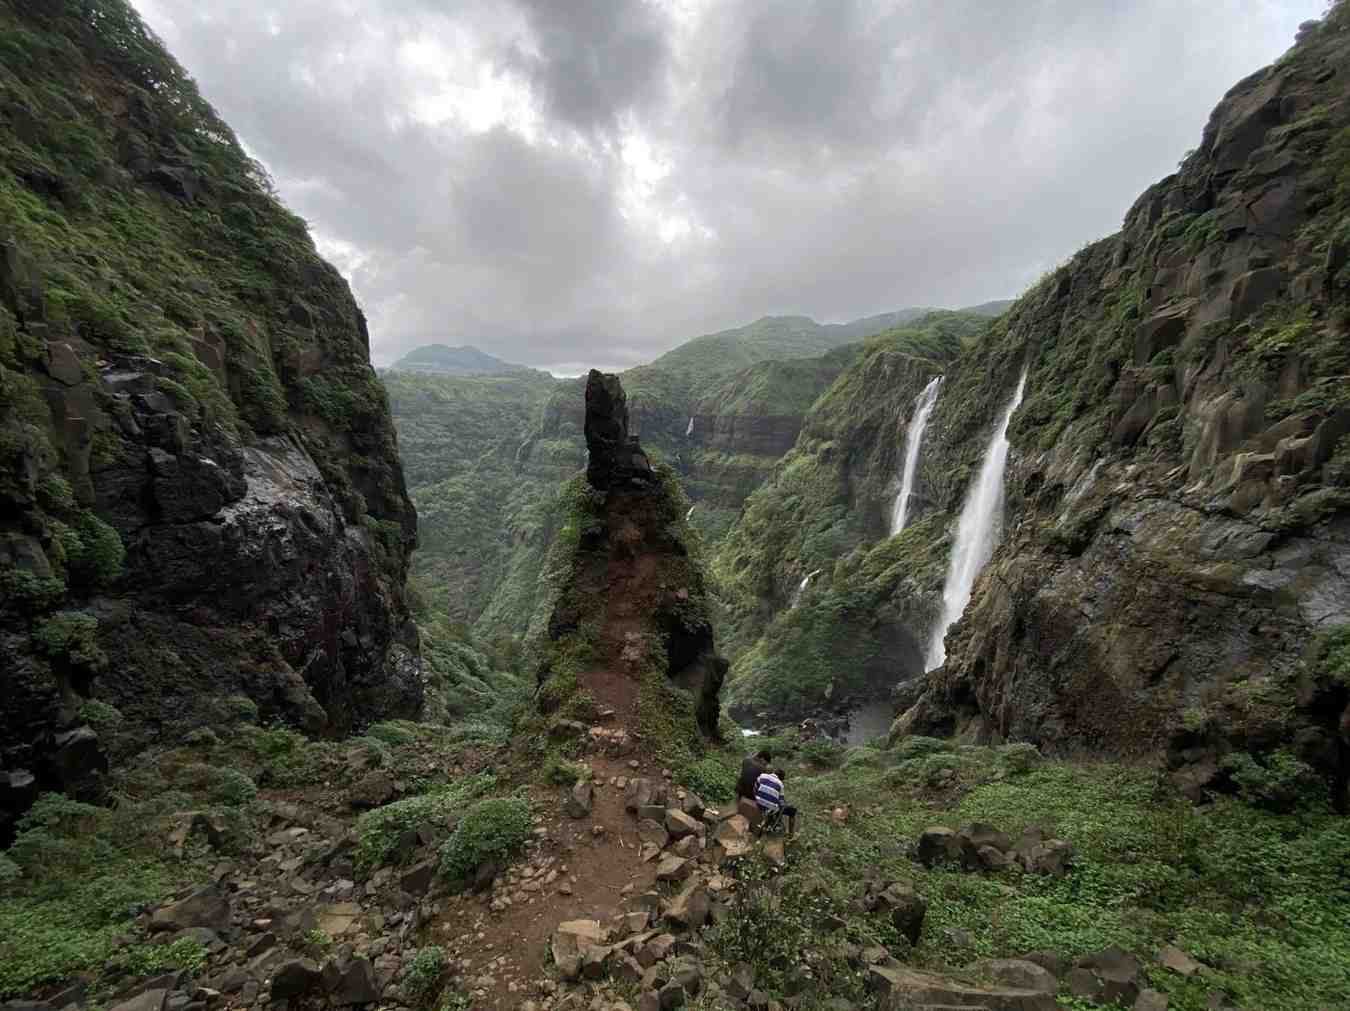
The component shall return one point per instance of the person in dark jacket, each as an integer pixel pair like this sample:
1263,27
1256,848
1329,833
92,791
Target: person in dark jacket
752,768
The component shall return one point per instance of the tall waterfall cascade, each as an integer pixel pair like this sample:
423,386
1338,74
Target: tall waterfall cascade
977,532
689,428
923,410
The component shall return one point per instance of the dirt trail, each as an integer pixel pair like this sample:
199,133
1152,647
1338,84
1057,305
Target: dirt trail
584,868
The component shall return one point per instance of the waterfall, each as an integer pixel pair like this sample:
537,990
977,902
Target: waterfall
689,428
689,513
923,410
975,533
801,587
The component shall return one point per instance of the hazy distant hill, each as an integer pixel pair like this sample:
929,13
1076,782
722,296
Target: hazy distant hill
444,360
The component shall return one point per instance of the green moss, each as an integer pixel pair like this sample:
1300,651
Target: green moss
71,637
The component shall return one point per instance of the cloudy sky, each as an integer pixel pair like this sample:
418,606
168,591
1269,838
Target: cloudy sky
574,182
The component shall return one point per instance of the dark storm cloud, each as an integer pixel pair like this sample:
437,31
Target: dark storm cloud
569,183
593,60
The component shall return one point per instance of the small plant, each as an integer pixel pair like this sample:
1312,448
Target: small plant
202,737
316,938
102,717
138,960
95,557
71,637
712,778
493,829
239,709
424,974
393,734
560,772
220,785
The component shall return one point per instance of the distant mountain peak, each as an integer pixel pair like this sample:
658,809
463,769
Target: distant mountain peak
464,360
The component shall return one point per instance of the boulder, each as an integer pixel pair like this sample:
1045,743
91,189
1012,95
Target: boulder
691,907
1051,857
775,851
742,982
733,836
899,988
653,832
1117,971
748,810
679,824
572,937
673,868
373,790
939,845
293,978
905,908
1178,961
206,907
1151,1000
579,801
1018,973
979,834
150,1000
418,878
355,984
693,805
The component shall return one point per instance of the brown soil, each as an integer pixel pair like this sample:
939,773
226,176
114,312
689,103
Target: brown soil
603,870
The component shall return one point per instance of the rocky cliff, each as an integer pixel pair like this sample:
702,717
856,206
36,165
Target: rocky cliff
1174,573
1177,558
201,504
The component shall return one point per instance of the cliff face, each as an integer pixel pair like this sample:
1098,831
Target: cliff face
200,491
1176,558
821,606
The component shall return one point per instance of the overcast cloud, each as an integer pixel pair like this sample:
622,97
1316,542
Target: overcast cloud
573,182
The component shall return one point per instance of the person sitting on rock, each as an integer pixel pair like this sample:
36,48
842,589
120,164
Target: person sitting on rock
752,768
772,801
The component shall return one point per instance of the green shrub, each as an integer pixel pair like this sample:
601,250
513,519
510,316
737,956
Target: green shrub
55,494
26,591
493,829
95,557
220,785
394,734
823,754
561,772
424,973
9,870
71,637
140,960
202,737
1019,758
712,777
104,718
918,746
1277,782
379,832
239,709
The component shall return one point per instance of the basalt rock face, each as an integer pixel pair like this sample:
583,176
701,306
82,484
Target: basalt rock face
631,596
200,491
1176,551
614,459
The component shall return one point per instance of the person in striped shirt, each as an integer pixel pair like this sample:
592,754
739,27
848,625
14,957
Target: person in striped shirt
770,798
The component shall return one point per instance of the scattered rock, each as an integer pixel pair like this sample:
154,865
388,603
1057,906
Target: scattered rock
579,801
1118,973
1178,961
673,868
373,790
356,983
1151,1000
207,907
691,907
1018,973
733,836
902,988
679,824
292,978
150,1000
938,845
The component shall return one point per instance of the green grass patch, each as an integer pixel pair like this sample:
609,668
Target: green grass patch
380,832
493,829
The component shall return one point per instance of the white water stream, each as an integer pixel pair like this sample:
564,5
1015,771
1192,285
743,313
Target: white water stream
976,533
923,410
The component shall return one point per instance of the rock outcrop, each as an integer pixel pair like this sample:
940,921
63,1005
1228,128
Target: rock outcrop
1177,534
201,503
629,588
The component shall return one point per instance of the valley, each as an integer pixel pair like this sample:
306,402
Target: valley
429,688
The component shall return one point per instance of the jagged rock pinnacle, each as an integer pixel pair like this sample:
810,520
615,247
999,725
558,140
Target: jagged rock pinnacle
616,459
